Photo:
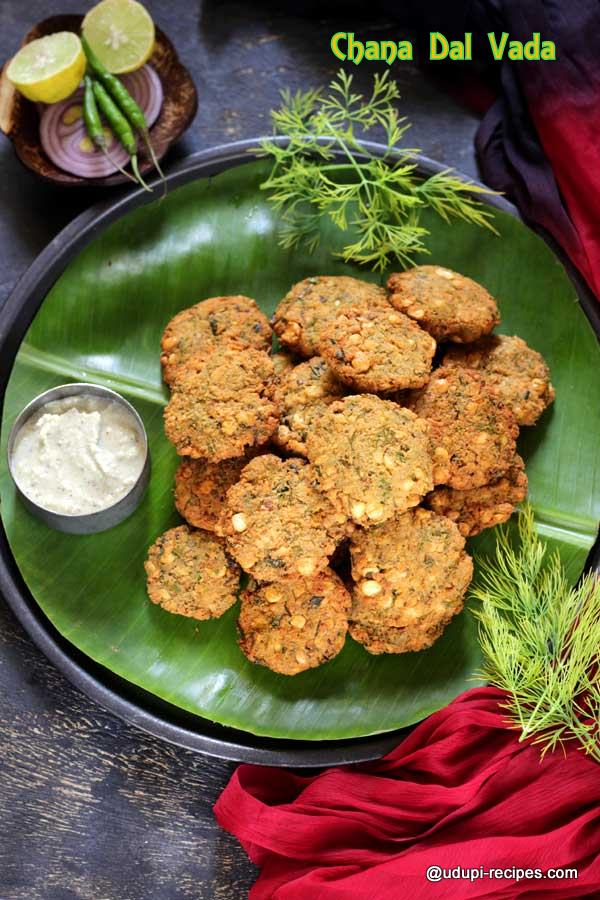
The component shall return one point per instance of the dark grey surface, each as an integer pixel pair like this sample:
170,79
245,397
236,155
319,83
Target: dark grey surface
90,808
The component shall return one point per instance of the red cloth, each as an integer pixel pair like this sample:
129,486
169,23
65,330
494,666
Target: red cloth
539,142
459,790
568,131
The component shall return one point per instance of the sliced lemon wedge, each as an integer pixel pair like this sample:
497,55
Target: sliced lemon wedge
49,69
121,34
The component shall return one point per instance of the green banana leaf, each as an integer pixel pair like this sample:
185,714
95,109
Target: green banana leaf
102,322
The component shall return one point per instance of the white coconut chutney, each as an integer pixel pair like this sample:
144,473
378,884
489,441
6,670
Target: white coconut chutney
78,455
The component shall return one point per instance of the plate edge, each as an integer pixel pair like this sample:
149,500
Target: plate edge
15,319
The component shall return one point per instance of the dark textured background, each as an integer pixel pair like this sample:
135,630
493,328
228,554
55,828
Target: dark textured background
91,809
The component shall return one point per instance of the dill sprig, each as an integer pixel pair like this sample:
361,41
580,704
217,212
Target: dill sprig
541,641
325,169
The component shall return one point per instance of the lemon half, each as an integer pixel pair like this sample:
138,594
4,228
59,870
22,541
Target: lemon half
121,34
49,69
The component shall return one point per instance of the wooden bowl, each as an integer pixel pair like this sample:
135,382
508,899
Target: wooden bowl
19,117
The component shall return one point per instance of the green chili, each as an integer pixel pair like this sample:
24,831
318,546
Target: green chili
116,88
93,123
91,116
119,126
128,106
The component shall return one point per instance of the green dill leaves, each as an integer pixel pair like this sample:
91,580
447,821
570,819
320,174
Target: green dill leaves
325,168
541,641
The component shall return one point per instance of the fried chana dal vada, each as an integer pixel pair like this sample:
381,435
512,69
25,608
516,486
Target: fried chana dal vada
189,573
283,362
389,639
209,324
313,303
303,394
477,430
450,306
373,458
518,374
222,404
412,570
201,488
295,624
483,507
377,350
276,522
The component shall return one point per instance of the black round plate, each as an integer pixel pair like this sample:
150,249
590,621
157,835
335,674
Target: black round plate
136,706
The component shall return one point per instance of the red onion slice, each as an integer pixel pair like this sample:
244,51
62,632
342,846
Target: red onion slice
67,144
64,137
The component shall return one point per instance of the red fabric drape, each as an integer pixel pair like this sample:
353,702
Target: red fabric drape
539,142
460,790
